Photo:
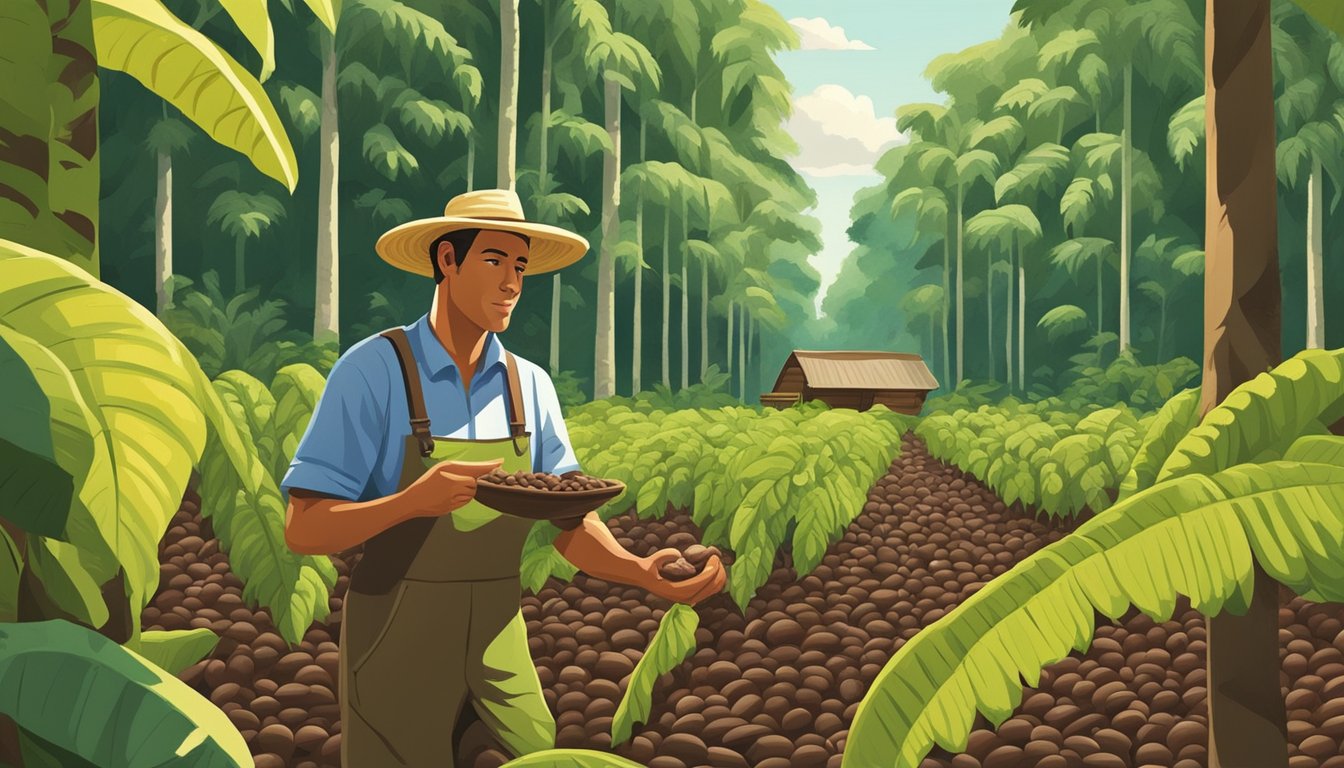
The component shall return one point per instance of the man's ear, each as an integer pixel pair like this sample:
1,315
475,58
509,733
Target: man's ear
446,257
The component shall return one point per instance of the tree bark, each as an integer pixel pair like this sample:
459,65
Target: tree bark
667,295
604,376
1247,723
704,318
947,306
961,304
685,297
728,346
742,354
637,343
989,315
163,233
471,160
1315,258
1021,324
543,175
326,316
508,96
1126,206
1008,323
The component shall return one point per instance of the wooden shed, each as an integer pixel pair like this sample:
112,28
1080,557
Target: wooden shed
857,380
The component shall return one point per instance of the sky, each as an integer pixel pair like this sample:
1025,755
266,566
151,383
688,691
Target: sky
859,60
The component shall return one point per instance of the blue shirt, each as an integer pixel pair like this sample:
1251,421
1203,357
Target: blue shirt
354,445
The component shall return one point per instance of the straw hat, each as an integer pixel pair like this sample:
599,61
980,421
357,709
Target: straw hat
407,246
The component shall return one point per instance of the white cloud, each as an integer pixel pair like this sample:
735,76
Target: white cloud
818,35
838,132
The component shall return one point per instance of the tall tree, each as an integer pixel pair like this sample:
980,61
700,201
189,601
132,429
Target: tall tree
167,137
506,161
626,62
1247,722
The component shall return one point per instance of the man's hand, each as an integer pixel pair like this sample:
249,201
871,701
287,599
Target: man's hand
709,581
446,486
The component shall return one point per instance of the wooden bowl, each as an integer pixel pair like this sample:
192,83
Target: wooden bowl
564,508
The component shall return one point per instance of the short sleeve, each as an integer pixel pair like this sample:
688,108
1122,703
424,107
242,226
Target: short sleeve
554,453
339,451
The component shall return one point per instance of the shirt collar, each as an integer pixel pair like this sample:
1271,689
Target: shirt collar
435,358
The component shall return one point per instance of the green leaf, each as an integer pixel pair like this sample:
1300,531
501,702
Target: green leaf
570,758
326,11
1193,535
67,685
176,650
127,382
1172,423
205,83
1262,417
34,491
255,23
11,567
671,644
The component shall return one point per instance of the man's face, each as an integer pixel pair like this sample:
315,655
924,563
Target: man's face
487,285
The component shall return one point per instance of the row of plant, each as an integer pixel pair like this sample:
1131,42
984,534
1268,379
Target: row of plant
1060,454
754,480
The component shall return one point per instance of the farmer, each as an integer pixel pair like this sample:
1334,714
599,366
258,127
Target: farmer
434,655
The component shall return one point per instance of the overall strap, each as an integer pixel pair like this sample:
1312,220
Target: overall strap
415,397
517,416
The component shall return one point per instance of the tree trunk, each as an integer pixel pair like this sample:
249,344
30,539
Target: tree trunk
326,315
989,315
471,160
742,354
74,167
685,297
947,305
961,303
556,292
543,175
1021,324
604,359
1100,317
1126,206
1008,323
508,96
637,343
239,278
704,318
1162,332
667,295
728,346
1315,257
163,233
1241,339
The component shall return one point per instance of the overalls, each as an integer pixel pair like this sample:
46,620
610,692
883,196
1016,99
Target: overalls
432,619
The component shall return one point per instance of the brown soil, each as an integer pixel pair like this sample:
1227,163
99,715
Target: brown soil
778,686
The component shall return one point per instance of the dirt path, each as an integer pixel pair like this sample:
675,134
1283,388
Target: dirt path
778,686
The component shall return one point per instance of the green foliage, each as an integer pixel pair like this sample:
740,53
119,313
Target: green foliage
90,683
754,480
1045,454
670,645
205,83
1263,417
570,758
240,332
1195,535
1249,485
247,508
1172,422
128,419
34,491
175,650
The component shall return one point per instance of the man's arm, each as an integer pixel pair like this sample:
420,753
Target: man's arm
321,525
592,549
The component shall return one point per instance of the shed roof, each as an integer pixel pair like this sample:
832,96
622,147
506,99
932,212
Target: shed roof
863,370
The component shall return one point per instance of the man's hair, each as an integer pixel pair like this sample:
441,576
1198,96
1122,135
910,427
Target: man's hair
461,241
